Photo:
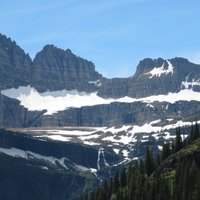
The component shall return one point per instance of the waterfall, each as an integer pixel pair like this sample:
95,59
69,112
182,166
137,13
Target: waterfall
101,154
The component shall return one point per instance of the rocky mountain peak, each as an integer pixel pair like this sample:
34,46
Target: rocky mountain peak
52,49
57,69
49,47
5,42
148,64
183,65
15,64
179,61
158,67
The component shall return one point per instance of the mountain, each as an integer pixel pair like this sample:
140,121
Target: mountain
57,108
154,77
15,64
158,76
59,89
55,69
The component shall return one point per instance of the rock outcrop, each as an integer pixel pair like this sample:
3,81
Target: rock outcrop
158,76
15,65
116,114
12,114
56,69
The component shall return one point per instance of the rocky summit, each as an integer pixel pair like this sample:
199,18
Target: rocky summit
69,122
56,69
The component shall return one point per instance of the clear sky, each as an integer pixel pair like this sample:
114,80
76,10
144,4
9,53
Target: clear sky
114,34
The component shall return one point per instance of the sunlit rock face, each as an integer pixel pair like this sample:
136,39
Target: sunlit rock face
158,76
15,64
56,69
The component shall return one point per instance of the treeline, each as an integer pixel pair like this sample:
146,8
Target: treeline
143,182
178,143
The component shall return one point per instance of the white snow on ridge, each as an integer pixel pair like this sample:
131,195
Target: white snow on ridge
28,154
122,139
97,83
71,132
182,95
58,137
129,136
188,85
125,154
148,128
52,101
61,100
158,71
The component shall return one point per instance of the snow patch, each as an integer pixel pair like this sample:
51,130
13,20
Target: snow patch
30,155
45,168
160,147
125,153
61,100
82,168
55,101
124,135
96,83
116,151
58,138
182,95
90,143
124,139
71,132
158,71
189,85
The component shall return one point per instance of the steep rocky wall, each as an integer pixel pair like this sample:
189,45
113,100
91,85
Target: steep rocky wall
12,114
15,65
144,84
56,69
116,114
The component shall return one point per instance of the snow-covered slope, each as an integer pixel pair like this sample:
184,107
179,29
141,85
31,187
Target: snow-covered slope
55,101
158,71
123,140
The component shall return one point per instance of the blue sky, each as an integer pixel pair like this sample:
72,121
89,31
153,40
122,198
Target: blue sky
114,34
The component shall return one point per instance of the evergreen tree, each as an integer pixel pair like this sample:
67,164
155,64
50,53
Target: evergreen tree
116,184
123,177
166,151
149,162
194,132
132,184
178,140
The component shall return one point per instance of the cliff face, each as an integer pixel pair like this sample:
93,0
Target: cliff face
116,114
15,65
155,77
114,88
12,114
56,69
52,69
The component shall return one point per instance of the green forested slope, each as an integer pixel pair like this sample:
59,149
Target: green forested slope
173,174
